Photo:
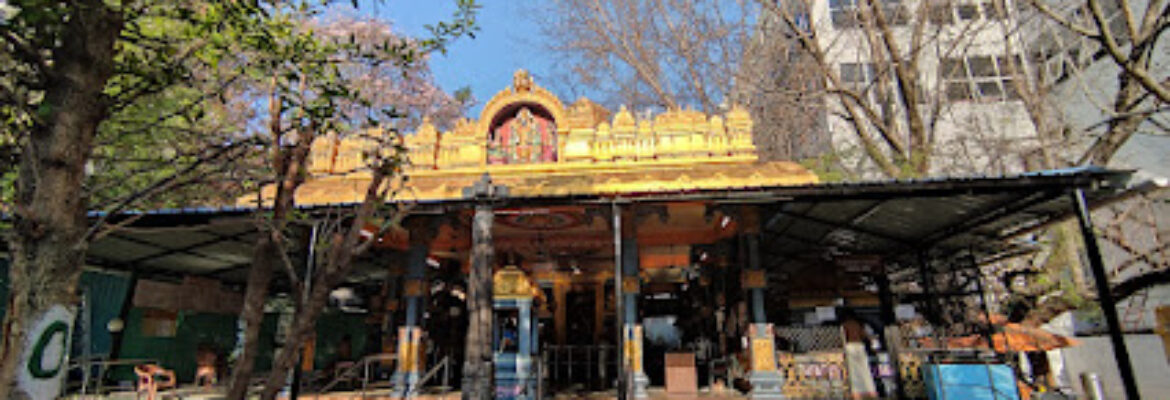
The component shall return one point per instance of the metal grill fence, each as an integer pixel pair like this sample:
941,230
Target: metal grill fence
579,367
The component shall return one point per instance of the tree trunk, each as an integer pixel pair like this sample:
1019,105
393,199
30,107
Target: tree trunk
477,365
1121,129
303,325
263,258
48,240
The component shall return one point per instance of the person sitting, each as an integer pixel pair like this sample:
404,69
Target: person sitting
148,381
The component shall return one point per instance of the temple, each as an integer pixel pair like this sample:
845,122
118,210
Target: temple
628,254
528,142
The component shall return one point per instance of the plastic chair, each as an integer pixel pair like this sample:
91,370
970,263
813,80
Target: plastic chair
148,380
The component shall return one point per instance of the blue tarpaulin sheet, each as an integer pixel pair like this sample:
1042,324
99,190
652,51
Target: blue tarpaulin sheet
970,382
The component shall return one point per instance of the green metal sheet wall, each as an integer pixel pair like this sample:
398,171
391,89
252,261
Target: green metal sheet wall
193,329
105,294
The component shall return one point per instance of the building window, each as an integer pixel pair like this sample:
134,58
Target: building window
860,78
843,13
968,12
857,76
846,14
993,10
941,12
986,78
944,12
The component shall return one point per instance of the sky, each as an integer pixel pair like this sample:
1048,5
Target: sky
508,39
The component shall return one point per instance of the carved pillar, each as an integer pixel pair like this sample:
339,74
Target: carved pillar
631,286
410,351
478,369
765,377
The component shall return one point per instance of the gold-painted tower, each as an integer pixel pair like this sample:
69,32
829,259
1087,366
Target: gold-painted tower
527,139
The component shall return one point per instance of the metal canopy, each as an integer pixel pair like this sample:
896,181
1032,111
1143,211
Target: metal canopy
942,217
890,218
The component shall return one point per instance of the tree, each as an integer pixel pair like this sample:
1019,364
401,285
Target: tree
781,87
83,83
650,53
1093,90
1127,35
663,54
341,77
69,67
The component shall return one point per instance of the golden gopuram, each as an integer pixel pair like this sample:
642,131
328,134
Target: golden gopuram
529,141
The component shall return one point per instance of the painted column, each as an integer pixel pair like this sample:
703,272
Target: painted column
764,376
631,286
410,356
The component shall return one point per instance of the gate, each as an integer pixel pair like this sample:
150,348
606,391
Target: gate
579,367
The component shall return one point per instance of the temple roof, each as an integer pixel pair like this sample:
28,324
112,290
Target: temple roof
526,139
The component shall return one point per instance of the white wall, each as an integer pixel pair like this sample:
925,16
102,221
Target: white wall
1095,354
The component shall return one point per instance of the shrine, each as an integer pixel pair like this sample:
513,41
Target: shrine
628,253
530,144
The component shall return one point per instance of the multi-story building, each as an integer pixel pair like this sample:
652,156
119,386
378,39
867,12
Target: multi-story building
965,57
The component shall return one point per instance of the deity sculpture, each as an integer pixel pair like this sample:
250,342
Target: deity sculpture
525,138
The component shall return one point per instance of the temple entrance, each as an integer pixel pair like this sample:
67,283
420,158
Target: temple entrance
587,359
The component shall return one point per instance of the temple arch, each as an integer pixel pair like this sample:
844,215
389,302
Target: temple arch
522,124
522,133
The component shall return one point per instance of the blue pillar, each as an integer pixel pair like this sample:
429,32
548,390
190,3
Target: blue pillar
631,280
410,357
416,264
633,328
765,375
753,254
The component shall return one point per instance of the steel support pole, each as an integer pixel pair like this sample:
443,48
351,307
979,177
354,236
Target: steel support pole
617,293
1104,297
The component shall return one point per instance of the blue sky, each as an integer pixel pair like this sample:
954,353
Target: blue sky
508,39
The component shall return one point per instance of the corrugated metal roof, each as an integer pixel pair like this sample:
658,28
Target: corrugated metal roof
884,217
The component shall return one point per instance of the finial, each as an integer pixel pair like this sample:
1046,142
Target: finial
521,81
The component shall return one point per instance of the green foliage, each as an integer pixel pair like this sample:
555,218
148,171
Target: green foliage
189,89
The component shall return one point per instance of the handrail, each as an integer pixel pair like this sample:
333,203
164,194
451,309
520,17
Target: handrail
103,365
445,364
364,364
